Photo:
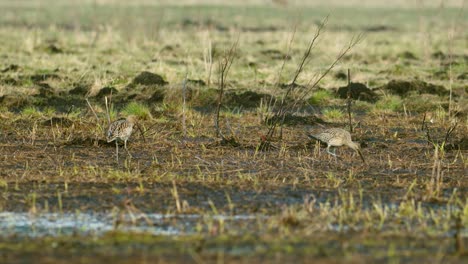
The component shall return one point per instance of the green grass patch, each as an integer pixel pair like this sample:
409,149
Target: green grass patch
31,111
140,110
390,102
320,97
333,114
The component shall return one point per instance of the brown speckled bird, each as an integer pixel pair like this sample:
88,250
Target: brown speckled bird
336,137
121,130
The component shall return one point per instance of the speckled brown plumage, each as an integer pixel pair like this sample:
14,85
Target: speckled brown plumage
121,130
336,137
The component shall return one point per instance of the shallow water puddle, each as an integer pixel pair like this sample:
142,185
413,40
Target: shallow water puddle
94,209
55,224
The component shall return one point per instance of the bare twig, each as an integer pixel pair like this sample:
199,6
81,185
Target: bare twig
448,133
352,43
107,111
224,65
279,116
282,109
94,112
208,58
349,101
288,53
184,95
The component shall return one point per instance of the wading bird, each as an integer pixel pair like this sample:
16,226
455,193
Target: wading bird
121,130
336,137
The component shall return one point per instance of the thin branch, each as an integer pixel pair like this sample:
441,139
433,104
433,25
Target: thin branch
282,109
184,95
224,65
288,53
107,111
349,101
92,110
278,117
352,43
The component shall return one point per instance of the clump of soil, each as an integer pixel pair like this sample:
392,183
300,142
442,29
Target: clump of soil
439,55
14,101
295,120
408,55
402,88
40,77
45,89
206,23
79,89
157,96
294,85
88,141
106,91
359,91
204,97
341,76
260,29
246,99
148,78
463,143
379,28
10,81
196,82
463,76
53,49
60,121
276,54
11,67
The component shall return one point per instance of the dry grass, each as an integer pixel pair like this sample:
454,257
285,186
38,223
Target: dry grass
412,191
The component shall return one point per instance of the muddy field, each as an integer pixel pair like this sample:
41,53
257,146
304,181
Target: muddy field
190,194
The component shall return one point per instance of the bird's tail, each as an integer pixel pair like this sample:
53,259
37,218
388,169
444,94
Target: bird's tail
312,137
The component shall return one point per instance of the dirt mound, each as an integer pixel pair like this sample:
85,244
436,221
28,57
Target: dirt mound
358,92
260,29
247,99
294,120
106,91
461,144
403,88
294,85
15,101
379,28
11,67
408,55
276,54
45,89
79,89
43,77
88,141
463,76
341,76
196,82
10,81
53,49
157,96
58,121
148,78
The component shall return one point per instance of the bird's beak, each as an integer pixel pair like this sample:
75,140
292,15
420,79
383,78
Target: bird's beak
141,132
360,154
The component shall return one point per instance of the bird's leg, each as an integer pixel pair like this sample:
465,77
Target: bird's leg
329,152
128,152
117,151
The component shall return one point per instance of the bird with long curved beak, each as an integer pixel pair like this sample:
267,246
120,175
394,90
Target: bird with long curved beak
121,130
336,137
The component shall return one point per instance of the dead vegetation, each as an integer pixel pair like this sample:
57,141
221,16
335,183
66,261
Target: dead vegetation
223,156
